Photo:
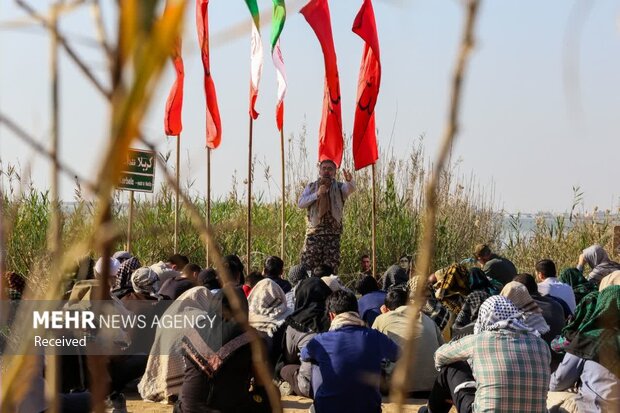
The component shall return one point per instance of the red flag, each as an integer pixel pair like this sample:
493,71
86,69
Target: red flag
214,124
172,122
365,151
316,13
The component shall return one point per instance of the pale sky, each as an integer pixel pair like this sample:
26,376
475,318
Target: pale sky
522,130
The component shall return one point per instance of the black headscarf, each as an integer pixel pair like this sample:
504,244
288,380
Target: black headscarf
310,314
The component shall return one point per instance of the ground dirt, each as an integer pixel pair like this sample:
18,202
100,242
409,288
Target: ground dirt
292,404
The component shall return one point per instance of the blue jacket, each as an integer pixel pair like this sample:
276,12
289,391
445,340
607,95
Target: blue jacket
369,306
348,369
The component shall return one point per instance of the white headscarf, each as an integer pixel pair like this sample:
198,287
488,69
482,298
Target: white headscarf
499,313
267,306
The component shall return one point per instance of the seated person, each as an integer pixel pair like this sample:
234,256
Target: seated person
273,269
599,262
591,359
174,287
393,322
371,299
495,267
347,360
216,380
549,285
510,366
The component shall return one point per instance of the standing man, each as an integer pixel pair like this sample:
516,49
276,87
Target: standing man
365,266
324,200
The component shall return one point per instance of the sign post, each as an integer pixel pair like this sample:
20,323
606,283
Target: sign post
616,244
138,174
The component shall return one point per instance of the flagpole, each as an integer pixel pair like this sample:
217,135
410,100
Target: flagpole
374,223
249,207
208,206
130,221
283,183
176,196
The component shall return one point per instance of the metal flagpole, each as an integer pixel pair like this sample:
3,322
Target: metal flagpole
249,217
176,197
208,206
374,223
283,183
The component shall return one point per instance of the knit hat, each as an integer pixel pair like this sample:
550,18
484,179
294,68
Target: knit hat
297,273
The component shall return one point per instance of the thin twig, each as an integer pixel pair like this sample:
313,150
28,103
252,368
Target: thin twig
257,346
425,257
102,36
68,49
41,150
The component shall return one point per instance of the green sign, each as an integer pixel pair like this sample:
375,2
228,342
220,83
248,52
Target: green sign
138,171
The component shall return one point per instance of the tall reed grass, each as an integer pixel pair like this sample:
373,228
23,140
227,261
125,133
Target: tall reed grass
467,215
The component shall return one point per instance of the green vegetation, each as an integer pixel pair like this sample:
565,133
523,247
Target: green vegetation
467,216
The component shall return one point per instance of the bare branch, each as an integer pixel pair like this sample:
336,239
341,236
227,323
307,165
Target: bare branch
425,258
40,149
68,49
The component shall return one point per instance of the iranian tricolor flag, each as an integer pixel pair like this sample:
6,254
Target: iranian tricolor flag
256,63
277,24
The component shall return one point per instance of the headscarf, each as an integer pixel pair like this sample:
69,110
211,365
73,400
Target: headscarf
499,313
297,273
122,256
165,368
16,284
144,280
114,264
209,348
452,286
595,332
521,298
609,280
574,277
395,275
123,275
267,306
333,282
348,318
598,260
309,314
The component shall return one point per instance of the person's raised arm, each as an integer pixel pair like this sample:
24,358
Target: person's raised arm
348,187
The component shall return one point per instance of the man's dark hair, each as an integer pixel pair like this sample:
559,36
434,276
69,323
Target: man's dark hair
364,256
341,301
253,278
191,268
179,260
322,270
367,285
395,298
529,282
482,250
208,278
546,268
274,266
235,267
